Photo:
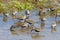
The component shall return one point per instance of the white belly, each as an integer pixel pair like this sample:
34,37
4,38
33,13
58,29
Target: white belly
7,14
44,18
15,12
53,25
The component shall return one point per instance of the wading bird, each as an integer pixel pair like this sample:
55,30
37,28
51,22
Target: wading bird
53,27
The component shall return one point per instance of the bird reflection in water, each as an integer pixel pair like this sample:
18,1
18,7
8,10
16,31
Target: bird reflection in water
42,25
14,16
37,37
13,32
22,32
58,22
5,19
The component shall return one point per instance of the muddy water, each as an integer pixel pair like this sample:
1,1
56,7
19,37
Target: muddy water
45,34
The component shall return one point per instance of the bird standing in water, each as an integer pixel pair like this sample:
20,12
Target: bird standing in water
43,14
53,27
30,22
14,14
21,18
27,12
35,30
43,19
17,25
5,14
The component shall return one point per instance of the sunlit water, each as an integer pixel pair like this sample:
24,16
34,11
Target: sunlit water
6,34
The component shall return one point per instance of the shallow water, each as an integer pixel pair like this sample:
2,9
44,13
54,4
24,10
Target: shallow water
6,34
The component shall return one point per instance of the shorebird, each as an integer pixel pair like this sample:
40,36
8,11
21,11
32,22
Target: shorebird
53,27
42,16
5,18
52,9
26,25
21,18
43,19
6,14
29,21
14,12
21,25
58,14
35,30
12,28
17,25
27,12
